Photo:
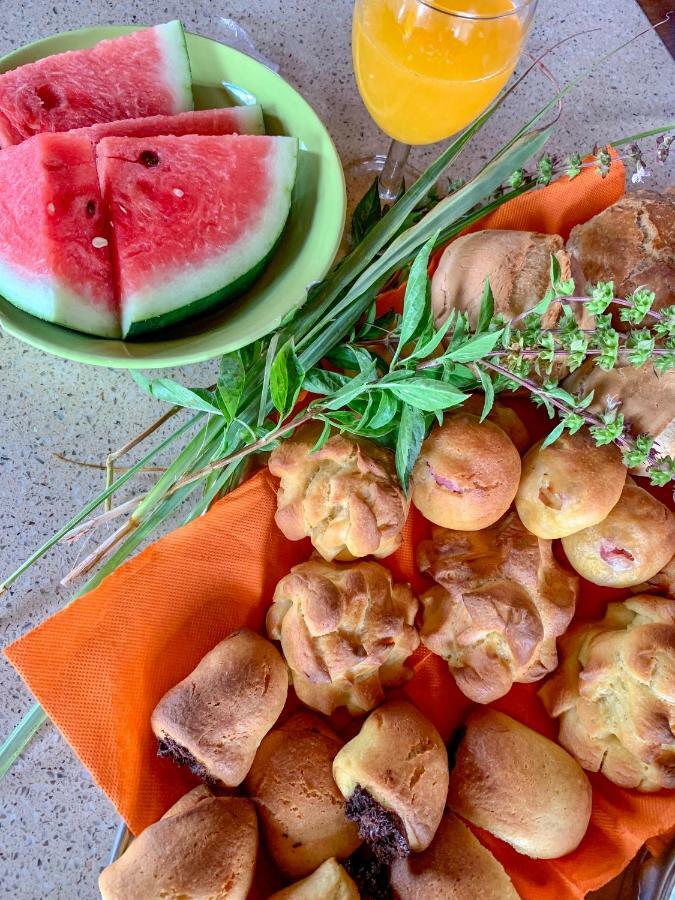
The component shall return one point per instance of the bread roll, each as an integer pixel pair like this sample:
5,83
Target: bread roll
182,854
329,882
455,866
634,542
663,583
345,497
467,473
394,775
503,416
614,693
631,243
521,787
214,720
501,602
301,809
346,632
569,485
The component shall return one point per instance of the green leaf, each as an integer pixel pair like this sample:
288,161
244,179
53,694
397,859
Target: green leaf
269,359
425,394
553,435
411,431
354,387
489,390
286,377
323,437
230,386
425,348
171,392
417,300
475,347
487,307
367,214
321,381
601,297
385,411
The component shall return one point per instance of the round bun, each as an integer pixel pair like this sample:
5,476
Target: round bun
519,786
506,418
345,497
329,882
501,602
569,485
346,631
214,720
455,866
634,542
301,809
394,775
467,473
182,854
614,693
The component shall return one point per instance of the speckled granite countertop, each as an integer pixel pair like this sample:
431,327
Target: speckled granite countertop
57,828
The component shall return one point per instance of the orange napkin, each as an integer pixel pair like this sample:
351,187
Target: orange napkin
100,665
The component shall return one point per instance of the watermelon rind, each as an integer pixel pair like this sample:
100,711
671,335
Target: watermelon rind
199,289
171,39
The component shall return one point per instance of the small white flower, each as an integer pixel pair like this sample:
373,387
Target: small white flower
640,173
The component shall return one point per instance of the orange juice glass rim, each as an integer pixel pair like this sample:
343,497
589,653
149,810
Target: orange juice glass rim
518,6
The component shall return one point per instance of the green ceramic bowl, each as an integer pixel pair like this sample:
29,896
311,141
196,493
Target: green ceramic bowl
312,235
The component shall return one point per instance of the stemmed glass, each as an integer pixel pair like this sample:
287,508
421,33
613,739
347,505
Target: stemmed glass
426,69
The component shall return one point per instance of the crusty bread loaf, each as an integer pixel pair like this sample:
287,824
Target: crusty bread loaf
501,602
615,693
329,882
631,243
182,854
634,542
300,807
467,473
569,485
346,631
521,787
397,764
214,720
345,497
455,866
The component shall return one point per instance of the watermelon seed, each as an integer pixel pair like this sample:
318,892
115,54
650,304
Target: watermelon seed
48,97
149,159
91,209
178,192
99,242
51,209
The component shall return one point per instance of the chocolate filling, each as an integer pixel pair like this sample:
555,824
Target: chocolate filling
167,747
369,874
380,828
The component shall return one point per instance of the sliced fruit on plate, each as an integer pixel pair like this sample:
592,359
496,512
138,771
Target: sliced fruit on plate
145,73
54,234
195,219
230,120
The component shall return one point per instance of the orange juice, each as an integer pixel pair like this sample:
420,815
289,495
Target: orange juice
425,74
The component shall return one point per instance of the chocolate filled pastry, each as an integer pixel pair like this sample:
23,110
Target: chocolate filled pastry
394,776
329,882
519,786
569,485
345,497
182,854
467,473
300,807
214,720
614,693
455,866
500,602
346,631
634,542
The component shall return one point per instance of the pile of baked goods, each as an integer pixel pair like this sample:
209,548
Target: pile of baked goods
315,764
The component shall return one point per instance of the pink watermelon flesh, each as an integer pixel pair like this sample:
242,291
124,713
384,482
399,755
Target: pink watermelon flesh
195,219
232,120
145,73
54,234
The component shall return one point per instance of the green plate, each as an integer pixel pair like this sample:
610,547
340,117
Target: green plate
310,242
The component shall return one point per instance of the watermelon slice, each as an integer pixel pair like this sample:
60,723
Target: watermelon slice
195,219
54,234
231,120
145,73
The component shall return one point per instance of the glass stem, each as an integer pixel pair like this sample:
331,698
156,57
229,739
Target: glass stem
391,179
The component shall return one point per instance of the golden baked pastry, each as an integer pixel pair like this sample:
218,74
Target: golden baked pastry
500,603
345,497
634,542
329,882
631,243
506,418
300,807
214,720
182,854
467,473
614,693
569,485
394,775
521,787
663,583
346,631
455,866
